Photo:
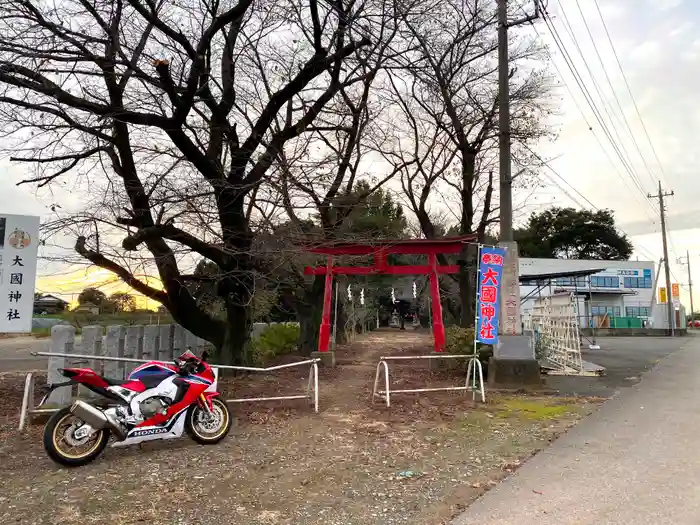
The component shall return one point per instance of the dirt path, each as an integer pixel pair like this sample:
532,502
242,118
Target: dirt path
419,462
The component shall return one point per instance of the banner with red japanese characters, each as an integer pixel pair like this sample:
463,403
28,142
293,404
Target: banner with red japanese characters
488,293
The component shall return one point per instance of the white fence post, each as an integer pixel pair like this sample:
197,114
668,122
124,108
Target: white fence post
62,342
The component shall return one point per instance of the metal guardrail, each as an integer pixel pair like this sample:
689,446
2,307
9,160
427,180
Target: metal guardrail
27,410
475,373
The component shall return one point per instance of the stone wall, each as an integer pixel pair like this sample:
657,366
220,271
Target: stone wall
150,342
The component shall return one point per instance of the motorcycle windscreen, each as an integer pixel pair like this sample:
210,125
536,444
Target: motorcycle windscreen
150,370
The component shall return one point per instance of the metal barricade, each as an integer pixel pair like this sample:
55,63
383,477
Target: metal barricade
475,373
28,410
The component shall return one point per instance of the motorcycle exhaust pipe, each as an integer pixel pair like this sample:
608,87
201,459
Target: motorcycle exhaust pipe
96,418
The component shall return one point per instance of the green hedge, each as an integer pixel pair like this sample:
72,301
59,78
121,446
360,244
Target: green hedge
460,341
276,340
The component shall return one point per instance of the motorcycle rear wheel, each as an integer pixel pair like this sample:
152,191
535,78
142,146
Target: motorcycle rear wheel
57,436
205,430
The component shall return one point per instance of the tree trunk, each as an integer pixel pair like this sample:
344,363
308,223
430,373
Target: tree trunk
309,312
233,350
237,295
467,287
467,269
236,285
341,334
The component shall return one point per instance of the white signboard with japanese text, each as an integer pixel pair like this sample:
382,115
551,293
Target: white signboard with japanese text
19,243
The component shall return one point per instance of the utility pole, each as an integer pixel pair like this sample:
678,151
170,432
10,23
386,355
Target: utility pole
505,178
510,326
662,209
690,284
656,286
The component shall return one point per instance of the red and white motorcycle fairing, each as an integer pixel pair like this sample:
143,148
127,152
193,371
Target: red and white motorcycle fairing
157,401
172,428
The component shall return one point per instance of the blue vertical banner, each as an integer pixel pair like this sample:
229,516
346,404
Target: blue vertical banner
488,293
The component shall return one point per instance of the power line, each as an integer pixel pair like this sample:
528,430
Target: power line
612,88
641,250
556,174
589,100
618,144
629,90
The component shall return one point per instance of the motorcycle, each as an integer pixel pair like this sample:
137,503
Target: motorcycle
157,401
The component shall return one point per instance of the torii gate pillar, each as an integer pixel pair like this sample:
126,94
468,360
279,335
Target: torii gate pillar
380,250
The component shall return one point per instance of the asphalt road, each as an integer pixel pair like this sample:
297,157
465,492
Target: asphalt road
636,461
15,354
626,360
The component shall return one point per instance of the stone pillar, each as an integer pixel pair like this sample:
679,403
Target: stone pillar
114,347
62,341
191,341
150,342
92,345
165,343
133,344
513,364
179,340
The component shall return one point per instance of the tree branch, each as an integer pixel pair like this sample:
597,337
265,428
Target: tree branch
23,77
170,232
125,275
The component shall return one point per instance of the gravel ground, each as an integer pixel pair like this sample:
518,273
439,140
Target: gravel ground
420,462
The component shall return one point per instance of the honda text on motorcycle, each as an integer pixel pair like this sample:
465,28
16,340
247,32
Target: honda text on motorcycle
157,401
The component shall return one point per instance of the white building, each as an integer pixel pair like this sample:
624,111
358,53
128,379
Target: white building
614,289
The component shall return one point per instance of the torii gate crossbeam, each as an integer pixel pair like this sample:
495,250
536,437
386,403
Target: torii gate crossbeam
380,250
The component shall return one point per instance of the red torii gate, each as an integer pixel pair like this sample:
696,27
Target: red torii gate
380,250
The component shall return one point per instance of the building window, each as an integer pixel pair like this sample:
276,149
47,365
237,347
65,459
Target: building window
610,311
637,311
605,282
571,281
637,282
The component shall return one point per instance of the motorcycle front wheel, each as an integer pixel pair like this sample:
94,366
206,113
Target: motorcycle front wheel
209,428
64,448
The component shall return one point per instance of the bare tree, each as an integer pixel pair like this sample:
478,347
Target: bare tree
447,95
325,177
155,111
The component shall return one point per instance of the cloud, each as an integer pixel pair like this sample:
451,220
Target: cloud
648,51
664,5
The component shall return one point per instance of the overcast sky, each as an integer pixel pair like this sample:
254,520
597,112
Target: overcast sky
658,46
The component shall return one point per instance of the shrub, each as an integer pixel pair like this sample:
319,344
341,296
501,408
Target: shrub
460,341
276,340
